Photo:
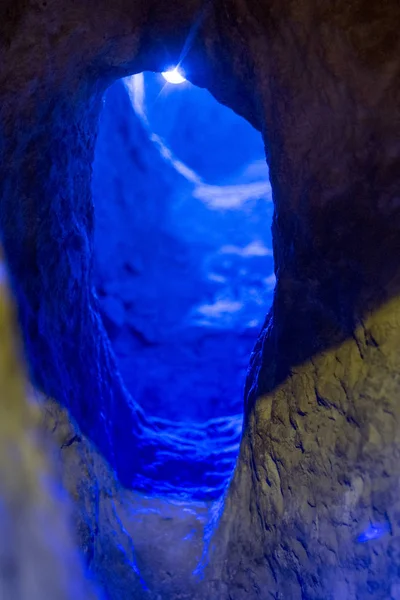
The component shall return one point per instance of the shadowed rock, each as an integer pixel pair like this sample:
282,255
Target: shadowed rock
38,556
313,510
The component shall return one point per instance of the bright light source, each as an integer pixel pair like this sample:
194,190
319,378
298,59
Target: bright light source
173,76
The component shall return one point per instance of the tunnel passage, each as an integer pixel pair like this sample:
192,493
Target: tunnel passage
183,259
319,461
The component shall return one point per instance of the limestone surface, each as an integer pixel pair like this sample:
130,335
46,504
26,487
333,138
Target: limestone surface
313,508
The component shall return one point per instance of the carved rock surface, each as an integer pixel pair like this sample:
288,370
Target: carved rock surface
134,546
38,555
319,457
183,269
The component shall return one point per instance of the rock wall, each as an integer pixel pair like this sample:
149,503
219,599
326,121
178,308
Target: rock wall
312,511
38,554
183,268
316,481
134,546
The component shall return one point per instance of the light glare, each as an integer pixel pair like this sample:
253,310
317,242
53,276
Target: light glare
173,76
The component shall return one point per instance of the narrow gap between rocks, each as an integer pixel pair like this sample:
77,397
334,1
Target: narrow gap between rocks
183,258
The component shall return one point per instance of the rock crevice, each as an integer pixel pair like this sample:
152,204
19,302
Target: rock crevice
312,509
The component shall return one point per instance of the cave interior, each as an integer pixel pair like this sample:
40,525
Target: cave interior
199,300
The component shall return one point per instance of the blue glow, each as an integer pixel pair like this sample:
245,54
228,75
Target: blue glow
174,76
184,274
374,532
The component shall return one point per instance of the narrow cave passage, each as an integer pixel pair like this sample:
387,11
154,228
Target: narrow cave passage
183,256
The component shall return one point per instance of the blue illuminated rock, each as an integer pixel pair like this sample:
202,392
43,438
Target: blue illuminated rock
312,511
183,268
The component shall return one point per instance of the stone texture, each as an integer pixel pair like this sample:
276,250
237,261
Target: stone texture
318,462
183,269
320,452
134,546
47,218
320,443
38,556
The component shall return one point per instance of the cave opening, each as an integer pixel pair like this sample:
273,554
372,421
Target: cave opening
183,258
